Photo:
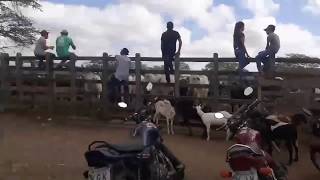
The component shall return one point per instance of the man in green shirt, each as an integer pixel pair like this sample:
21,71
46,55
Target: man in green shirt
63,43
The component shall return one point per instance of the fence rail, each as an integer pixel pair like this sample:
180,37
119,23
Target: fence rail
14,77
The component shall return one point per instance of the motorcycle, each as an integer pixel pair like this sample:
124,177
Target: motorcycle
246,158
145,159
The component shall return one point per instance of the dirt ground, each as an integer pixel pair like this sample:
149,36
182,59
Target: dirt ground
32,148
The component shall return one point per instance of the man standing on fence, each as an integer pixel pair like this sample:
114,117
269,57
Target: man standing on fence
41,47
121,77
267,56
63,43
168,48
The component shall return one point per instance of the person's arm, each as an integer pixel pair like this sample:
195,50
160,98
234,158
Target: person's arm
242,39
268,42
180,45
47,47
72,45
162,45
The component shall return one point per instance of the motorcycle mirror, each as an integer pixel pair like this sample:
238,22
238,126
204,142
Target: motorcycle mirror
248,91
218,115
149,86
225,174
266,171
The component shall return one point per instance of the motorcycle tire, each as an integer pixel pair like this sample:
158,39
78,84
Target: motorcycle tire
315,158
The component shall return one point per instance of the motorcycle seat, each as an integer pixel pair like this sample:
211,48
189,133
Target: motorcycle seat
240,148
128,148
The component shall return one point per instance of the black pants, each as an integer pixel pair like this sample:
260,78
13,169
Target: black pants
114,86
41,58
168,65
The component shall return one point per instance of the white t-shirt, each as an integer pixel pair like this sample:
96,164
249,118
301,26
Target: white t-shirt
122,72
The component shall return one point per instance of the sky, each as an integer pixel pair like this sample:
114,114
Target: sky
206,26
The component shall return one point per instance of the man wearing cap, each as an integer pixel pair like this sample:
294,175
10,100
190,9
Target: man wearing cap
41,47
63,43
121,76
168,47
268,55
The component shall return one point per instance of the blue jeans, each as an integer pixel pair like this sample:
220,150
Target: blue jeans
265,57
241,57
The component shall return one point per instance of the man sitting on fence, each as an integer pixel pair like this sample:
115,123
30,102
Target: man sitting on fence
268,55
41,47
63,43
120,78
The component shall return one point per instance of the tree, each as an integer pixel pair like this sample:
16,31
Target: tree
15,28
222,66
298,65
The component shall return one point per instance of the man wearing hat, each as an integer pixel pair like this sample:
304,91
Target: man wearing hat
120,77
63,43
41,47
268,55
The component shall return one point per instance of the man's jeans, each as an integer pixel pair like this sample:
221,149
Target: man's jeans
267,58
168,66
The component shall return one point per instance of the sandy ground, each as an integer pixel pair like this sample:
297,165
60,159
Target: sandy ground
37,149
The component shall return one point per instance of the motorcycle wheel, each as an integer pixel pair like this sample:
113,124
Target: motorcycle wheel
315,157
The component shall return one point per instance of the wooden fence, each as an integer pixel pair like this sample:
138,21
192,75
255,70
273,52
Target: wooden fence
13,78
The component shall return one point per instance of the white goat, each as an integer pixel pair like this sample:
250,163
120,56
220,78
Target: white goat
212,118
164,108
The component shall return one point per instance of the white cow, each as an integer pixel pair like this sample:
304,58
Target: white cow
92,87
199,79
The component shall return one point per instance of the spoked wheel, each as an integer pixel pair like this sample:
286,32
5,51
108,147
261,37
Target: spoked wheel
315,157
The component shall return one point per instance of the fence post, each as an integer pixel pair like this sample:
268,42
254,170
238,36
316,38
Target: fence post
19,87
177,76
138,81
4,90
105,69
73,74
215,79
50,80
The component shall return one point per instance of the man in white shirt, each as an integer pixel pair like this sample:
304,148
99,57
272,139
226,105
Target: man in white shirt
41,47
121,76
272,48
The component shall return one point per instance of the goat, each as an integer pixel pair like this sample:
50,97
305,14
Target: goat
164,108
276,131
209,119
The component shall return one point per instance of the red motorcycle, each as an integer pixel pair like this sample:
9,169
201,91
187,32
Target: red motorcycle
246,158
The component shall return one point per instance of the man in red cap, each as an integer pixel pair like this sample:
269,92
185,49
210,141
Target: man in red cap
41,47
268,55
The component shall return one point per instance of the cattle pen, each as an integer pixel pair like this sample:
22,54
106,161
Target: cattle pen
30,86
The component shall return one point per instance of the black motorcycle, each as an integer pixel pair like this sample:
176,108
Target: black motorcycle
145,159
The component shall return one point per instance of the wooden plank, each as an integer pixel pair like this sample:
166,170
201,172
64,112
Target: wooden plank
4,88
105,74
73,78
19,76
138,82
50,90
177,76
215,80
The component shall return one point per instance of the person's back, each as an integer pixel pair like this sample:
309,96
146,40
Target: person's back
63,43
274,40
123,66
169,40
40,47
